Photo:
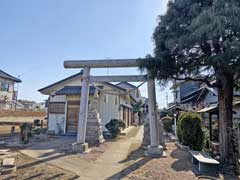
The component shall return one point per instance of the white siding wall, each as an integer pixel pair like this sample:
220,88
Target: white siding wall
56,122
58,98
124,99
108,110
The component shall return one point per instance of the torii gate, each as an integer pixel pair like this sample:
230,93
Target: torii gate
154,149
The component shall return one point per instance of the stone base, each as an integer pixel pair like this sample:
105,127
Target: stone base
80,148
154,152
94,136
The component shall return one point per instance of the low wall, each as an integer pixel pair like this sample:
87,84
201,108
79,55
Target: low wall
18,113
6,123
20,119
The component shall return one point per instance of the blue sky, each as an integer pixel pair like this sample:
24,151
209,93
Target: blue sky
37,36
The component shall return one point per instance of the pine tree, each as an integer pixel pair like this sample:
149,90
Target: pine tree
199,40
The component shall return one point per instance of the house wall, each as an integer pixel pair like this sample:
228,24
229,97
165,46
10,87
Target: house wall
56,121
210,99
8,94
125,99
108,108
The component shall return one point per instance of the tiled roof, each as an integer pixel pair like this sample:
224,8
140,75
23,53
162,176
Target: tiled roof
9,77
74,90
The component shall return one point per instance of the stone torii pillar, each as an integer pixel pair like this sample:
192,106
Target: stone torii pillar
154,149
84,106
81,145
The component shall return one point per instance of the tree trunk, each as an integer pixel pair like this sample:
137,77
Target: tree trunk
225,99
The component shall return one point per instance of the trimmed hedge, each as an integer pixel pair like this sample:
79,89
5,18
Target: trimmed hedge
167,124
190,132
115,126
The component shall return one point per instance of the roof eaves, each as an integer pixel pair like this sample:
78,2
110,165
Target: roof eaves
51,85
10,77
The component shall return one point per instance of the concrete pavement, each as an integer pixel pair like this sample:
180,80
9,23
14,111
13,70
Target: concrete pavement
106,166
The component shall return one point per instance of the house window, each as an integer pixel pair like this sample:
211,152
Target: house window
116,100
56,108
4,86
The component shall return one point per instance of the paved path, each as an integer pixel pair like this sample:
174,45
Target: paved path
106,166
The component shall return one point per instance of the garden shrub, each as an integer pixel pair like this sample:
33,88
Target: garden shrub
167,123
25,133
115,126
190,132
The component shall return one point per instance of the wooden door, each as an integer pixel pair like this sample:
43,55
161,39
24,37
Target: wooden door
72,116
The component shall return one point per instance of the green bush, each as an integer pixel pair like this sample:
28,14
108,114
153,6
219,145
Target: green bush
115,126
25,133
190,132
167,123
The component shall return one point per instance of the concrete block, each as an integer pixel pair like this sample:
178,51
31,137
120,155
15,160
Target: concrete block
80,148
154,152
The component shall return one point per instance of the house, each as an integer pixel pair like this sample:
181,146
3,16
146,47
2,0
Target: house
192,96
204,100
134,90
181,89
30,105
108,100
135,96
8,93
26,104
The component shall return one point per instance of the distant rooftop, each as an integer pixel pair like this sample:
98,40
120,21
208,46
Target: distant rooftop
126,85
9,77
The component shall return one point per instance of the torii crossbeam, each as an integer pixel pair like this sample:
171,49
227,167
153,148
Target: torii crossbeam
154,149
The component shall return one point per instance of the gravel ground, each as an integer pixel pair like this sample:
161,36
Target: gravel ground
28,168
177,165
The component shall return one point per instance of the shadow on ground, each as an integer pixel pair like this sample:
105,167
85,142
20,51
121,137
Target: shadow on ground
134,161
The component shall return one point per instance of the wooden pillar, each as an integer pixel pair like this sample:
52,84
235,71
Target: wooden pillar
12,130
82,122
41,124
